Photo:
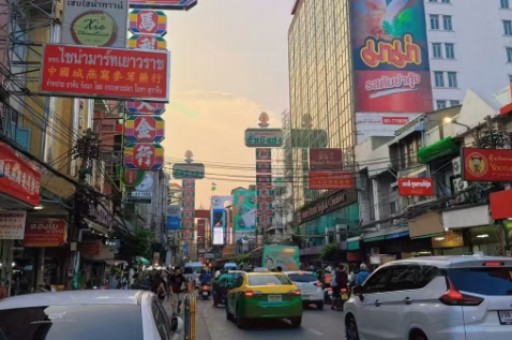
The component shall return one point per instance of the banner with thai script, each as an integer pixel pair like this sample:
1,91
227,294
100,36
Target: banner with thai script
12,224
45,233
415,186
98,72
390,51
19,178
493,165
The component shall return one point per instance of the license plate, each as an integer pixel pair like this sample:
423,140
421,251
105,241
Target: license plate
275,298
505,317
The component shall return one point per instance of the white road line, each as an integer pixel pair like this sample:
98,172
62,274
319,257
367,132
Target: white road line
315,332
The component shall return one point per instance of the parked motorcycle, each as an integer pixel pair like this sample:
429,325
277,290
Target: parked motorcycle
205,291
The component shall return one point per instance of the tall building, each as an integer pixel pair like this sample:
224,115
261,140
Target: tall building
361,69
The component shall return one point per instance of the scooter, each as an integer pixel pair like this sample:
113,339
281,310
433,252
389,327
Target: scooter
205,291
339,301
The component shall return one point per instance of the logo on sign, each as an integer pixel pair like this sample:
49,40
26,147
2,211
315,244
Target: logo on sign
144,156
145,108
144,129
148,22
396,52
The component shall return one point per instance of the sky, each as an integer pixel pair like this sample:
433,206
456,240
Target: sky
229,63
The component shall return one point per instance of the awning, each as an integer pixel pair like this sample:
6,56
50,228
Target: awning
96,227
439,149
386,234
354,243
142,260
425,224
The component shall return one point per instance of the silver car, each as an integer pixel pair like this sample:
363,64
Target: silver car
311,289
87,314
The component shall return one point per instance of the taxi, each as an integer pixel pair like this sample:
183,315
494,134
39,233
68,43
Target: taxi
269,295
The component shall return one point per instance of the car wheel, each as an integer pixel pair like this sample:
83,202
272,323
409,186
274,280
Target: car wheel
320,305
296,322
418,335
240,320
229,316
351,329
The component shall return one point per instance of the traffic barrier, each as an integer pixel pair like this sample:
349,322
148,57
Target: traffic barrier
190,317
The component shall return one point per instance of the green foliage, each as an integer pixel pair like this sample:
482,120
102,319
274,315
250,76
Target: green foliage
143,240
242,258
331,253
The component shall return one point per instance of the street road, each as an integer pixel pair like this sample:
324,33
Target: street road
326,324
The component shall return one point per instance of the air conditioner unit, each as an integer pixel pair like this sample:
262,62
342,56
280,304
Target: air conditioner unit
456,166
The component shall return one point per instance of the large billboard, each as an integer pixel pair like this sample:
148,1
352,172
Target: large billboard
390,52
244,202
218,217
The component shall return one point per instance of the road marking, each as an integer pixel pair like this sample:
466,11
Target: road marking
315,332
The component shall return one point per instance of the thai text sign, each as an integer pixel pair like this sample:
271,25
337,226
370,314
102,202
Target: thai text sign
322,159
263,138
330,180
45,233
12,225
415,186
105,72
144,156
95,23
164,4
188,170
494,165
18,177
148,22
144,129
390,52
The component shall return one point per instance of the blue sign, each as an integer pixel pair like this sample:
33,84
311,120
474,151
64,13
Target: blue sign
173,223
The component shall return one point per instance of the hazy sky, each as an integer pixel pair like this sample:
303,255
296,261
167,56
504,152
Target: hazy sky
229,62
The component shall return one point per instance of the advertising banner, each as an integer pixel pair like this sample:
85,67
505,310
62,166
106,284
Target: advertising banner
99,72
390,49
147,42
99,23
12,225
415,187
46,233
188,208
381,124
144,156
330,180
219,225
18,177
244,202
144,129
493,165
164,4
188,170
322,159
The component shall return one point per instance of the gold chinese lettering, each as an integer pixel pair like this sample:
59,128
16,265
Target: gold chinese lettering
64,72
130,76
78,73
143,77
117,76
105,75
91,74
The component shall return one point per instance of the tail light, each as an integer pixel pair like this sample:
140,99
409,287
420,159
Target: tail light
343,290
251,293
205,287
453,297
318,284
295,292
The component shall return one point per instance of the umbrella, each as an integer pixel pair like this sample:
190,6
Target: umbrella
142,260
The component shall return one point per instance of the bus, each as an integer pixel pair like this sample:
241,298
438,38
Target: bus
272,256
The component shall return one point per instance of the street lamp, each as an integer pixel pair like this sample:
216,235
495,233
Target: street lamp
449,120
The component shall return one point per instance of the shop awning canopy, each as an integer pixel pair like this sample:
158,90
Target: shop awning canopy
442,148
386,234
142,260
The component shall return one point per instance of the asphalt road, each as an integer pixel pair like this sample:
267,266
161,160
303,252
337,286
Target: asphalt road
325,324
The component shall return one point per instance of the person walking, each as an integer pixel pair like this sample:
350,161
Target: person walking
178,284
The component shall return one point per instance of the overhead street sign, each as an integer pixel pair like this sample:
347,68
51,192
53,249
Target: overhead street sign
263,138
188,171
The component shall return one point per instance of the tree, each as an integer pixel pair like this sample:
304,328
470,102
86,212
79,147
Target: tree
331,253
143,240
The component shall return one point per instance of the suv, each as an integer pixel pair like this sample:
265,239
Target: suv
436,298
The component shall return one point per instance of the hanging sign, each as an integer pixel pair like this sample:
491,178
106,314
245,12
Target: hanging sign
147,42
145,108
144,129
144,156
148,22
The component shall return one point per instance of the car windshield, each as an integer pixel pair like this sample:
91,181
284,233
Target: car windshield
304,277
486,281
268,280
80,322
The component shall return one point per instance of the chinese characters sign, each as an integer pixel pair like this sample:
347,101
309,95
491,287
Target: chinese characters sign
330,180
164,4
415,186
187,211
12,225
145,108
493,165
18,177
147,42
322,159
264,188
144,129
45,233
95,72
144,156
148,22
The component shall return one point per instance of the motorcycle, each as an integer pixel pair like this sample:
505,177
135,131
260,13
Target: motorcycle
205,291
339,301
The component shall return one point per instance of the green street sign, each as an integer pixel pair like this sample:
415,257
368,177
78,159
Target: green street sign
188,171
263,138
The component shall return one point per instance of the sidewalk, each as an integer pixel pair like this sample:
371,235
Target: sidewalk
202,332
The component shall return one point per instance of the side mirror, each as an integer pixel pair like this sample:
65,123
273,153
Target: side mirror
358,291
176,325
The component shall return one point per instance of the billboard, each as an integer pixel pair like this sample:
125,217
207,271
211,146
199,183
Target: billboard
45,233
219,225
330,180
390,52
416,186
100,72
493,165
322,159
244,202
381,124
103,25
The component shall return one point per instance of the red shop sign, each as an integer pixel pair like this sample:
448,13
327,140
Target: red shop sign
115,73
500,204
45,233
487,165
415,186
330,180
18,177
322,159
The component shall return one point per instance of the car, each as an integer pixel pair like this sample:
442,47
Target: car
264,296
87,314
311,289
433,298
191,272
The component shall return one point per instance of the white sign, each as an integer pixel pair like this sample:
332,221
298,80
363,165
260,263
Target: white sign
371,124
12,225
218,236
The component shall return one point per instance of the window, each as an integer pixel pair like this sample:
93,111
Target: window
504,4
432,0
161,320
449,50
439,79
510,78
447,23
434,21
441,104
509,54
268,280
452,80
298,277
378,281
436,50
493,281
507,27
445,1
454,102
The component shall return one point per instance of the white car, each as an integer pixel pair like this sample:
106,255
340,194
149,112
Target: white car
310,288
87,314
434,298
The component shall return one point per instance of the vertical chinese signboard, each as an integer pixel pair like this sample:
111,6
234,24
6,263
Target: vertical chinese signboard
391,64
264,187
188,213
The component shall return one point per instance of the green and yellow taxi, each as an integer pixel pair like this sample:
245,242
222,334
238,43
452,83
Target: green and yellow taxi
265,295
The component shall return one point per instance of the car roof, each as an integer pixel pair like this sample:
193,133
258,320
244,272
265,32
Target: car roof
452,261
300,272
75,297
263,273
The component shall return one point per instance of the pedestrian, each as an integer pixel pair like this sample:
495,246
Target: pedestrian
114,282
362,275
178,284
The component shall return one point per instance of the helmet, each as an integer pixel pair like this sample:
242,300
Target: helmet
363,267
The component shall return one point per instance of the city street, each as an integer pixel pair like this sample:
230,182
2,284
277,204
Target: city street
315,324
